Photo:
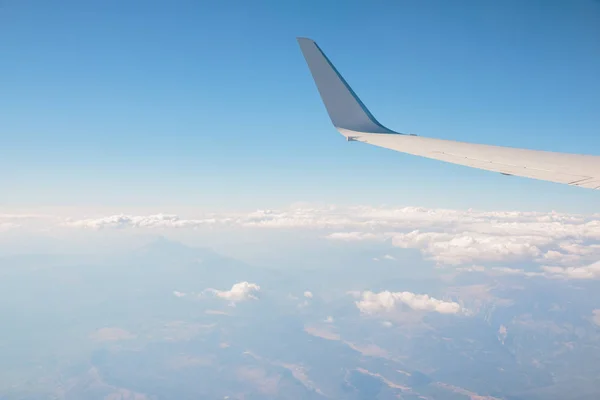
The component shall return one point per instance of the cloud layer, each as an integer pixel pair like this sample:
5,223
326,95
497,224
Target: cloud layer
132,221
560,244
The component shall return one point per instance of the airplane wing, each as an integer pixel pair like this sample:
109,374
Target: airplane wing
353,120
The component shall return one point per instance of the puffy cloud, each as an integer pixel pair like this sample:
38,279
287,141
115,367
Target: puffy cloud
386,302
467,247
178,294
308,295
329,320
591,271
240,291
558,258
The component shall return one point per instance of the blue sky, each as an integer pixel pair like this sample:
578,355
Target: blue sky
210,104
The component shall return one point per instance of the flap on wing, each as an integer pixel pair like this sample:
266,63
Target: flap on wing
518,170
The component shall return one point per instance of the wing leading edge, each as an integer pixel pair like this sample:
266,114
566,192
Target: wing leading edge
353,120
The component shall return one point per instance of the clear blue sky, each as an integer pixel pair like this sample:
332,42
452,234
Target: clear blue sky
211,103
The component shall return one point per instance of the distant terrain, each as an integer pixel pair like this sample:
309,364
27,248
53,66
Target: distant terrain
145,324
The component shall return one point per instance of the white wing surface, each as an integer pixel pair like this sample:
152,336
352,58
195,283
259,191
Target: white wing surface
353,120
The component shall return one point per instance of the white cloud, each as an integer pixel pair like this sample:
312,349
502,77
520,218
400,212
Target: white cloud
502,333
6,226
240,291
308,295
591,271
20,216
303,304
385,302
467,247
9,222
557,257
513,271
131,221
472,268
385,257
26,217
178,294
329,320
596,316
353,236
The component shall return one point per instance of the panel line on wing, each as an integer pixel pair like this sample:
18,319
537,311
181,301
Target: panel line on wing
497,163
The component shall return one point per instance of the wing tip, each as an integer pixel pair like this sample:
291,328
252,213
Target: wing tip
345,108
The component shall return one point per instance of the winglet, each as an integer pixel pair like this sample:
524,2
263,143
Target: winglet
345,109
